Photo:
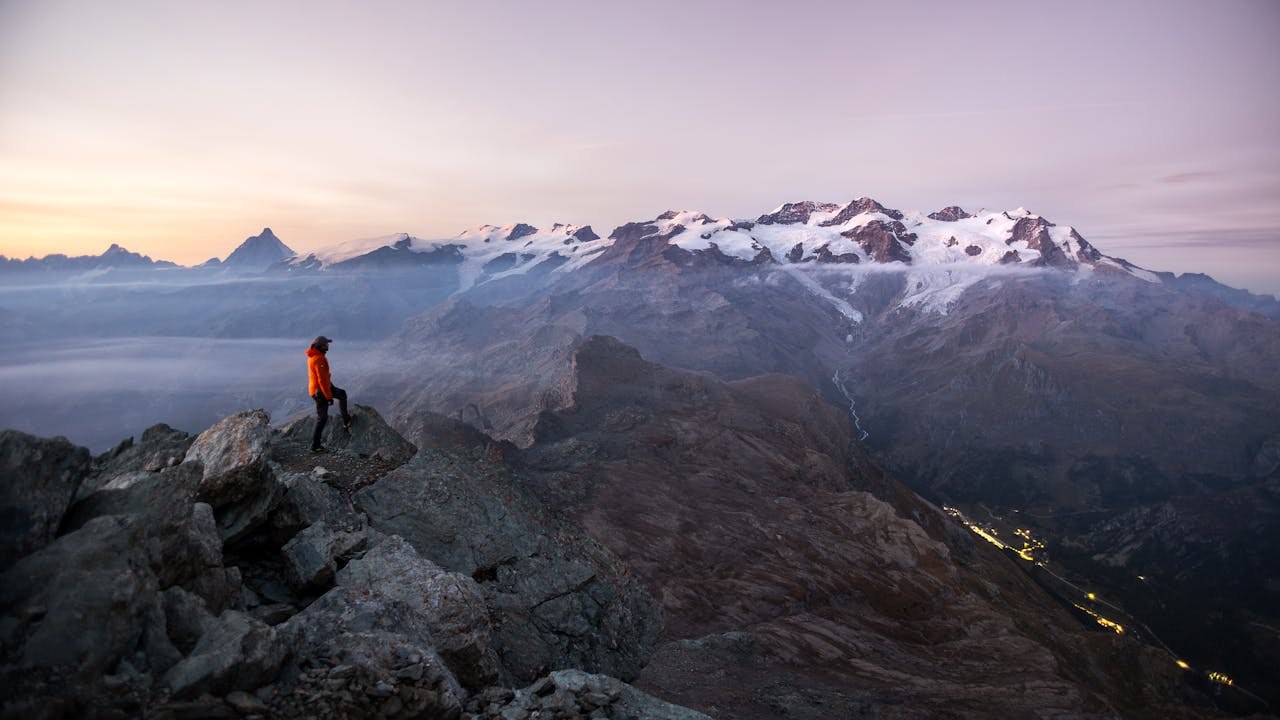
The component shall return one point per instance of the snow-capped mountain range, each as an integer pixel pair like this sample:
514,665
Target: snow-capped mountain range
830,248
944,252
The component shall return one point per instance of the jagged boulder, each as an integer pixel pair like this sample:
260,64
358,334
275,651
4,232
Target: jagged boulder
84,602
159,447
136,609
183,538
368,673
558,598
312,556
369,437
100,598
234,453
392,590
308,500
237,652
451,604
41,478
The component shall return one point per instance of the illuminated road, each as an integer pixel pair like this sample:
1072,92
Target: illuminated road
1033,550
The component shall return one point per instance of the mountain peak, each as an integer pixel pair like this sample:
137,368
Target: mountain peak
858,207
259,252
117,256
795,213
951,213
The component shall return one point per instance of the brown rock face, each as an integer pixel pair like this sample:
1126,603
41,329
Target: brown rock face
881,241
782,555
824,255
859,206
1035,232
795,213
950,214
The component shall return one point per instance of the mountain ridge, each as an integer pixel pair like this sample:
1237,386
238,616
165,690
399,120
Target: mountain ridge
862,232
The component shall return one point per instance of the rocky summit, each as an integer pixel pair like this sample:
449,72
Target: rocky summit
236,574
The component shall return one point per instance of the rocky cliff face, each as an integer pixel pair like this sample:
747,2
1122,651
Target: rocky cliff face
796,578
235,573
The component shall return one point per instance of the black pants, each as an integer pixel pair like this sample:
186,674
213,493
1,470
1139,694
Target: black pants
322,412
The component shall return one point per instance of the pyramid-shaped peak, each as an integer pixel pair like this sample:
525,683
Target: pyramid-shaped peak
258,252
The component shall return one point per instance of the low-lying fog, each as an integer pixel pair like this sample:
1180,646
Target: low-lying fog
97,392
100,361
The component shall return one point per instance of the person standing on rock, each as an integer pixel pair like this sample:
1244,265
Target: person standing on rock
323,391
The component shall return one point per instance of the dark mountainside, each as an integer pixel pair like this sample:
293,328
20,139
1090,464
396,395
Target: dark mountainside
257,253
743,480
1085,405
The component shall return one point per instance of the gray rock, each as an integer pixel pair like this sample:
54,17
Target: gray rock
361,662
450,603
626,700
275,613
41,479
190,553
92,599
313,555
308,499
164,495
240,518
558,599
219,587
83,602
237,653
245,704
369,437
234,453
159,447
187,618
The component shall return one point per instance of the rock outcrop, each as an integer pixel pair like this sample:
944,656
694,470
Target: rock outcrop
234,454
559,599
237,576
370,438
785,558
41,479
951,213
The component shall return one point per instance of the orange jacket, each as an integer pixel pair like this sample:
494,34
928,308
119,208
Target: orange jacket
318,373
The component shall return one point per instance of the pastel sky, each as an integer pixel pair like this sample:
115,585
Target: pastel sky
177,129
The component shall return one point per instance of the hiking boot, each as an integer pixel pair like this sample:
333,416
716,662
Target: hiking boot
319,449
